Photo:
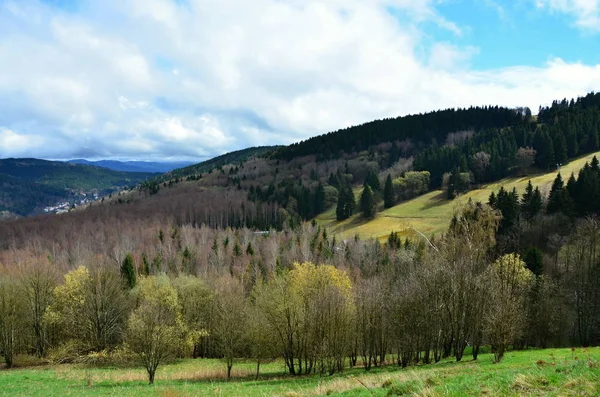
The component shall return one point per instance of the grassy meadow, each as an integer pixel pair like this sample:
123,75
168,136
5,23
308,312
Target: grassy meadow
431,213
552,372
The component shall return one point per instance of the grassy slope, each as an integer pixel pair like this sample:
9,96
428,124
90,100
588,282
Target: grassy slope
431,213
556,372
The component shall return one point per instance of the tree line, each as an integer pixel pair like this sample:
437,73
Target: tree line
319,304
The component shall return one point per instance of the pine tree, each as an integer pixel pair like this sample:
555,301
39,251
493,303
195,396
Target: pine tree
556,199
367,202
128,271
388,193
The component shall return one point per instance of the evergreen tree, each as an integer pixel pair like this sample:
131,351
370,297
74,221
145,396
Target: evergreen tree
556,199
319,205
367,202
388,193
531,202
128,271
560,148
373,181
346,203
534,260
536,203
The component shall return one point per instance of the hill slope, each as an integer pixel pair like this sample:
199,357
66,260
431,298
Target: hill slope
235,157
431,213
28,185
134,166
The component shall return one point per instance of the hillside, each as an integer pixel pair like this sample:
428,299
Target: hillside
431,213
134,166
29,185
235,157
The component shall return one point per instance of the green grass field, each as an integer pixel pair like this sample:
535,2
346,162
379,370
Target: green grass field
554,372
431,212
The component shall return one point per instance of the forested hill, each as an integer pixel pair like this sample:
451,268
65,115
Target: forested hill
235,157
28,185
134,166
419,129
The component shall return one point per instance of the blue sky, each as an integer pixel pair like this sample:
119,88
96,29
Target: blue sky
190,79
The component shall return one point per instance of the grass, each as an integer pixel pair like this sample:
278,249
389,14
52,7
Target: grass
431,213
554,372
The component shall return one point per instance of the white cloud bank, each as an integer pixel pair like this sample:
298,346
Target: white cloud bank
163,79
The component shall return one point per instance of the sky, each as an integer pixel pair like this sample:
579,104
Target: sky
193,79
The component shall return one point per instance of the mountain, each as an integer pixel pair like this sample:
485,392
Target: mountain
27,186
236,157
134,166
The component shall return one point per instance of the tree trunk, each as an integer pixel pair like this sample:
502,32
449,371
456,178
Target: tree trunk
257,368
475,351
151,373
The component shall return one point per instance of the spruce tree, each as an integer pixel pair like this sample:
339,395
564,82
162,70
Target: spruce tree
367,202
319,205
373,181
128,271
350,202
556,199
536,203
388,193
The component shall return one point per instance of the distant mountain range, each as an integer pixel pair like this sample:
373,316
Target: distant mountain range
134,166
29,186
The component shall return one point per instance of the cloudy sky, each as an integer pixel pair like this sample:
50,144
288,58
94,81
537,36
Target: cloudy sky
190,79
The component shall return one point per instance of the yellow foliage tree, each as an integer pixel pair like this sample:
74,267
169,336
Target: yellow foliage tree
505,315
310,310
155,329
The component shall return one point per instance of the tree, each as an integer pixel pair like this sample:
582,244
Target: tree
128,271
310,311
531,202
37,285
505,316
319,205
367,202
388,193
11,320
557,200
580,265
481,163
346,203
90,309
467,245
525,158
198,308
155,329
260,340
232,322
373,181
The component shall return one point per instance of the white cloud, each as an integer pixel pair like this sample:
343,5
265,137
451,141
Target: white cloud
152,79
586,12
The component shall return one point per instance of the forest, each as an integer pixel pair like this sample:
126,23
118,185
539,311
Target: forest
225,263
